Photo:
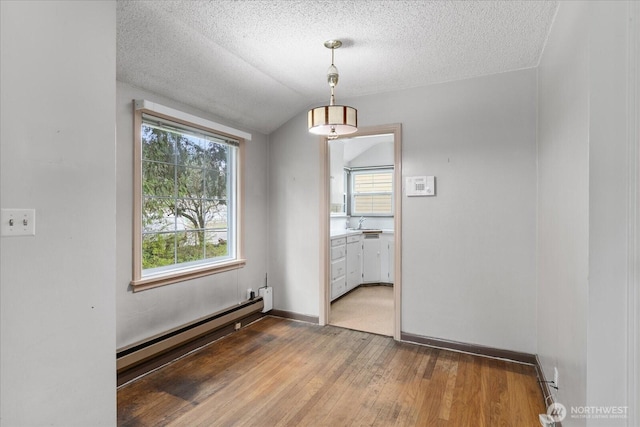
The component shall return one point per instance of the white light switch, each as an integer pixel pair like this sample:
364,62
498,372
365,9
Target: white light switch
18,222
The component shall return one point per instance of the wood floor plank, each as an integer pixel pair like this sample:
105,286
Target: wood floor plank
432,400
299,391
355,389
279,372
413,393
328,396
387,407
447,396
241,395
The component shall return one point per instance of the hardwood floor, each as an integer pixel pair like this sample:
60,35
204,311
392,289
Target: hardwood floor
279,372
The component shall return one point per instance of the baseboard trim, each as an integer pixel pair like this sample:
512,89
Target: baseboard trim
294,316
480,350
544,385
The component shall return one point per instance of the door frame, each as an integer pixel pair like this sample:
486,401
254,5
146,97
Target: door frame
325,218
633,282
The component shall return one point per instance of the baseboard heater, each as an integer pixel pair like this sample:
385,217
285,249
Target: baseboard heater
136,353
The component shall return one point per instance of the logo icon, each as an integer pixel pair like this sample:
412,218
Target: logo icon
557,412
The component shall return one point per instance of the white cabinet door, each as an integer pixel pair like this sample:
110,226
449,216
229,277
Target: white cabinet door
338,268
392,259
337,288
387,259
371,259
354,264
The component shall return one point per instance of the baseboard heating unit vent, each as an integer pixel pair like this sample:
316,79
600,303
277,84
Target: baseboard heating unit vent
137,353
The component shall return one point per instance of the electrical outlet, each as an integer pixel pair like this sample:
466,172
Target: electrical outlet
555,376
238,325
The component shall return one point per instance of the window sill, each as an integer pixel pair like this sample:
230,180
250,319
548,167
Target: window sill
183,275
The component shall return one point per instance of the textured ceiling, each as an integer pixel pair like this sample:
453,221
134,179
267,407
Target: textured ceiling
259,63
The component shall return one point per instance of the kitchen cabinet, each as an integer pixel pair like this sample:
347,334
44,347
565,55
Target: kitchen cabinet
354,261
378,258
387,258
371,258
338,267
361,258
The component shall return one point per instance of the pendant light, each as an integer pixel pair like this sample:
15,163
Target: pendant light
332,120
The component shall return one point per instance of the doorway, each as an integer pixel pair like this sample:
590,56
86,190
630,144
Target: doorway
361,229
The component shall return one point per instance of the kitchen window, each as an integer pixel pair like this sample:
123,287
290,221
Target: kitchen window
372,192
186,206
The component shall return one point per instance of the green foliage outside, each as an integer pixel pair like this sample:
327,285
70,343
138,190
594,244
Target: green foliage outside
159,250
185,189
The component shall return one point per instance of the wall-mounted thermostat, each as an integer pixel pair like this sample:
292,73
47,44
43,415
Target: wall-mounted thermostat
421,186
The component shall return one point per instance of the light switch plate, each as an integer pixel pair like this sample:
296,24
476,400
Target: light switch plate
18,222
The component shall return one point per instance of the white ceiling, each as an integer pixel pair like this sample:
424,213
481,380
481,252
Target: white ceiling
259,63
353,147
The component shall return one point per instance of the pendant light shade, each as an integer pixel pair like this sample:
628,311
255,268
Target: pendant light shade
332,120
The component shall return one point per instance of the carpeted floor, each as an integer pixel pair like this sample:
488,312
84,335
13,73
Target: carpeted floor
367,308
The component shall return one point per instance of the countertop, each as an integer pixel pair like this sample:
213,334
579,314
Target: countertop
347,232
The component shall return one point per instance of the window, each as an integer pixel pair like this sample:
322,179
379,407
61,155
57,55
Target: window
372,192
186,205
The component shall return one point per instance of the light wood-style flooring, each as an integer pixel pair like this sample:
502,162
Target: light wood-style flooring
279,372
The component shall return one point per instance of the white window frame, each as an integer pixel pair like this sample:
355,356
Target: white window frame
352,194
151,278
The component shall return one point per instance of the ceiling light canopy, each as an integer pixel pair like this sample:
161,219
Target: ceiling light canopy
332,120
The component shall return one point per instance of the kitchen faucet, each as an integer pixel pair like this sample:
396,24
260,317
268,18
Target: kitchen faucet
360,221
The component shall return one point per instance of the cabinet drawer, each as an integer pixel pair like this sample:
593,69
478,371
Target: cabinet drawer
339,241
338,269
338,287
338,252
356,238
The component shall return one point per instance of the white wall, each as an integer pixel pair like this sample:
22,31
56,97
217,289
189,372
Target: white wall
469,253
563,203
582,208
608,198
143,314
378,155
294,203
57,306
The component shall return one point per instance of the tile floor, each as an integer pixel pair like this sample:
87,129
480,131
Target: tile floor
366,308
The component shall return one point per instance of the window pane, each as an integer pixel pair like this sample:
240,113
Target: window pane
190,181
158,250
158,214
158,144
380,204
158,179
216,243
189,246
190,214
373,182
215,214
216,155
372,192
215,184
191,151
